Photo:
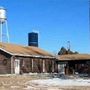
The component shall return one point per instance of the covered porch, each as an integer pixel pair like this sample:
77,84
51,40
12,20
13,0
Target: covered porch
74,64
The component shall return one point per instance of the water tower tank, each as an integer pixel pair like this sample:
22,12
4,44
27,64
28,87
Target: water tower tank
2,15
33,39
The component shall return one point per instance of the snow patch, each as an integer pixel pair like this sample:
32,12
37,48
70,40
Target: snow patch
61,82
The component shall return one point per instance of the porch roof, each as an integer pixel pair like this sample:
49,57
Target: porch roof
72,57
19,50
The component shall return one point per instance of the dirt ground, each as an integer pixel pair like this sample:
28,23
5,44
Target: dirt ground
19,82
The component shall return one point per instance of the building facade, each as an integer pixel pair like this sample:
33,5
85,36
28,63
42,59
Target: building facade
75,63
15,59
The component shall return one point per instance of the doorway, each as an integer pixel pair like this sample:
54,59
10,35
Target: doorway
17,66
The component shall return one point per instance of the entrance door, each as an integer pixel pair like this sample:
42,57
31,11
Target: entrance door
61,68
17,66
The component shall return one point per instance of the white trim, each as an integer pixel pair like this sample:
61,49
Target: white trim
6,51
33,56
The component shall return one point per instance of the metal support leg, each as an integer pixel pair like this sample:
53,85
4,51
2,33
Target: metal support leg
7,31
1,32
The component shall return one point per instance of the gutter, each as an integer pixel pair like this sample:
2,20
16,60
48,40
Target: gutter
36,56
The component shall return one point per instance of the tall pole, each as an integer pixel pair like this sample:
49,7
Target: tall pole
7,32
89,16
68,45
1,31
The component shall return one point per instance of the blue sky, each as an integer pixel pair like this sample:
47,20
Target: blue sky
57,22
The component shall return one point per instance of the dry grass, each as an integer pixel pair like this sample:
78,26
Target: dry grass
19,83
14,82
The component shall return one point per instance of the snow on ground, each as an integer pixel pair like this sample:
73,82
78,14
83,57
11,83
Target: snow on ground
61,82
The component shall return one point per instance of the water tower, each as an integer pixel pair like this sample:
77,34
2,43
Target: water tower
3,20
33,39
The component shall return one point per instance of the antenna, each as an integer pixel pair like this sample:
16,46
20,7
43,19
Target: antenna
68,45
3,20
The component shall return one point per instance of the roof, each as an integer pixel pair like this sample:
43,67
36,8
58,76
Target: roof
70,57
19,50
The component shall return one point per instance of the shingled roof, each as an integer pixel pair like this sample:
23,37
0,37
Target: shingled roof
70,57
19,50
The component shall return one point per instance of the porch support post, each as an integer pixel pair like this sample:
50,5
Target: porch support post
52,66
32,65
58,67
12,65
43,66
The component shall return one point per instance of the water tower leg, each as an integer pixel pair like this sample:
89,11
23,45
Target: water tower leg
1,32
7,32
